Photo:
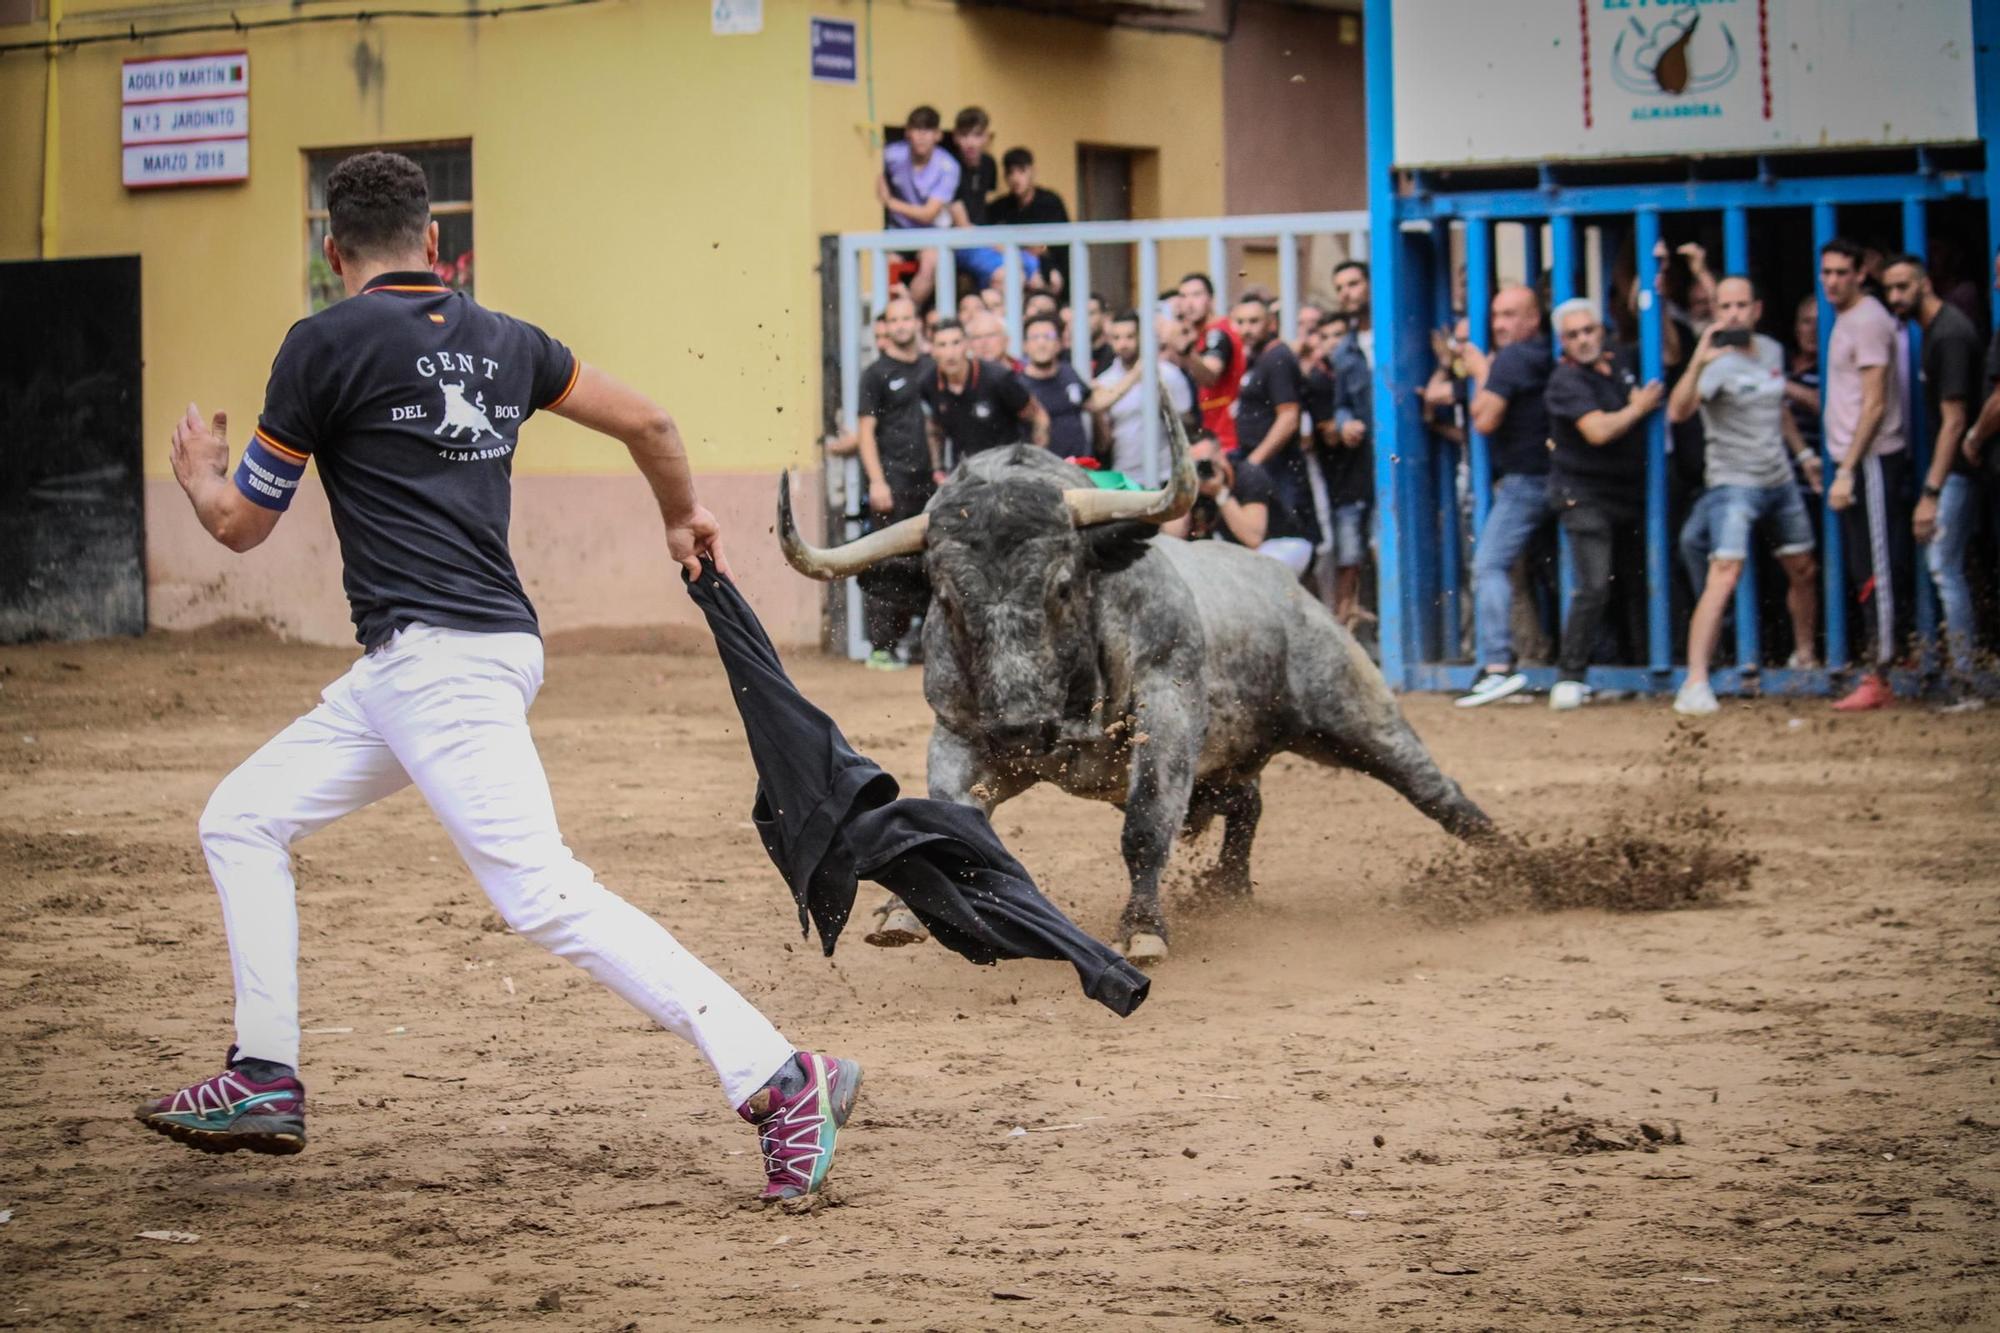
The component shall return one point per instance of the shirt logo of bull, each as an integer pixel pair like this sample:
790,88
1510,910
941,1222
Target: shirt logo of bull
461,415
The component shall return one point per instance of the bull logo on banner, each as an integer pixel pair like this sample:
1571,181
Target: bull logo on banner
1667,59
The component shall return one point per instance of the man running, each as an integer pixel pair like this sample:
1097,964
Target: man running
411,397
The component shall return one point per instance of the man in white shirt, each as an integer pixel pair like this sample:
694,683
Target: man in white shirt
1118,402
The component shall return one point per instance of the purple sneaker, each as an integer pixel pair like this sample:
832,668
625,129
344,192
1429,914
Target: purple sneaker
232,1112
797,1132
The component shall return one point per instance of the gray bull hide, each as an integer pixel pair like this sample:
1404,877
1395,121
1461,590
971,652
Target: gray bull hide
1067,642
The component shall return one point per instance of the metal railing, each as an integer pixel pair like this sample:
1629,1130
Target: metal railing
871,251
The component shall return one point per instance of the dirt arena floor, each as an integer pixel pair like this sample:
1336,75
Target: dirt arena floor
1338,1110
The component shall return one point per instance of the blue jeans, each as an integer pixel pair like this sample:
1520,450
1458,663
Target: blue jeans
1946,557
1520,509
1724,518
987,260
1350,535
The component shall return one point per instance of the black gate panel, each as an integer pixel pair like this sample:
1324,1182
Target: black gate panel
72,502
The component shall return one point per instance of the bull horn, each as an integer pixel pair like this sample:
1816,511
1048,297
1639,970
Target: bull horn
1089,505
829,563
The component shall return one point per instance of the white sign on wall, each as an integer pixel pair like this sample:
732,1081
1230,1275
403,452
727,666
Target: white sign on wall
1487,81
735,18
185,120
197,118
201,163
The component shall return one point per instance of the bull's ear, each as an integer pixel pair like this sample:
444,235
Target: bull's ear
1110,547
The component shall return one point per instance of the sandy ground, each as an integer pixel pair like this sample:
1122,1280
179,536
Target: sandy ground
1334,1112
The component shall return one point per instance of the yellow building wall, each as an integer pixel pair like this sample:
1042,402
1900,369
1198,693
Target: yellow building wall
647,191
612,204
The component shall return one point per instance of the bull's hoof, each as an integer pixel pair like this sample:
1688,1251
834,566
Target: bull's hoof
1143,949
896,926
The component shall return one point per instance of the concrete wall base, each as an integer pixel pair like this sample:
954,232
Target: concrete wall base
590,551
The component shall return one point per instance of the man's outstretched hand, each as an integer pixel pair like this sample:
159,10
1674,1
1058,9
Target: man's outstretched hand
201,448
696,536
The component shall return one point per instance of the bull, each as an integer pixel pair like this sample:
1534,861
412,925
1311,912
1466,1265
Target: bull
1064,644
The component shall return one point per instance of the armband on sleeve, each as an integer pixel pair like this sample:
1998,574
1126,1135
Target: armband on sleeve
268,473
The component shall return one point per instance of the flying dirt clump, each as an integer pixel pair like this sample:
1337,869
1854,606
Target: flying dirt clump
1676,852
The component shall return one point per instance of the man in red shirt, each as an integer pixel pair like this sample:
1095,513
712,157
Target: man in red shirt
1215,362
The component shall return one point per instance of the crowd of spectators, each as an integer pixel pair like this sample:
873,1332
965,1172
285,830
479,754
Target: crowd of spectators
1745,419
1283,432
928,180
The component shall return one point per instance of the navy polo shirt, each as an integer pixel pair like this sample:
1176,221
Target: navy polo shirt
410,397
1520,374
985,414
1062,395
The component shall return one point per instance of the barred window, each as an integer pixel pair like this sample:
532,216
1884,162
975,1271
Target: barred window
447,166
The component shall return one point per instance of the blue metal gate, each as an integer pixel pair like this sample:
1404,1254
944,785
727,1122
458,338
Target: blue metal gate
1418,529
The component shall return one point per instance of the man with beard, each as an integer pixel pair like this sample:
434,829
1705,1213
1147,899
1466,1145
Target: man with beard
1872,477
1945,513
1350,437
1057,387
895,455
1735,380
1267,408
1119,401
1216,362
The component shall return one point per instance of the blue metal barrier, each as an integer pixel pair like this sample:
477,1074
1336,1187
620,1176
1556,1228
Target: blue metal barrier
1422,213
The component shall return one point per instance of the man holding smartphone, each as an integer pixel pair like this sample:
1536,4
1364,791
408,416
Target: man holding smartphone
1736,381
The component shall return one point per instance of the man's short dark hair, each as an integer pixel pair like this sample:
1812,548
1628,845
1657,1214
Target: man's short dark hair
1049,320
1845,248
1097,297
970,121
1016,158
1914,261
1251,298
1126,317
923,118
1347,264
1201,278
377,204
947,326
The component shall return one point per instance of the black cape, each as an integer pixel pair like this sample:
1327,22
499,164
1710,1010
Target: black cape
830,817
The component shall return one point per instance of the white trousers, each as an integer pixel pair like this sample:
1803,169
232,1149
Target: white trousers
448,711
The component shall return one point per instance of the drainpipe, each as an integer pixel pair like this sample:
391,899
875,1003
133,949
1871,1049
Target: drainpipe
51,124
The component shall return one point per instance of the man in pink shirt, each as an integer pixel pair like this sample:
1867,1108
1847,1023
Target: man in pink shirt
1873,481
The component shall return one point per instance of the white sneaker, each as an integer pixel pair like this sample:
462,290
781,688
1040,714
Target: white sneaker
1492,685
1569,694
1696,699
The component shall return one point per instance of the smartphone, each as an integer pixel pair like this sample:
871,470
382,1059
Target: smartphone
1731,338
